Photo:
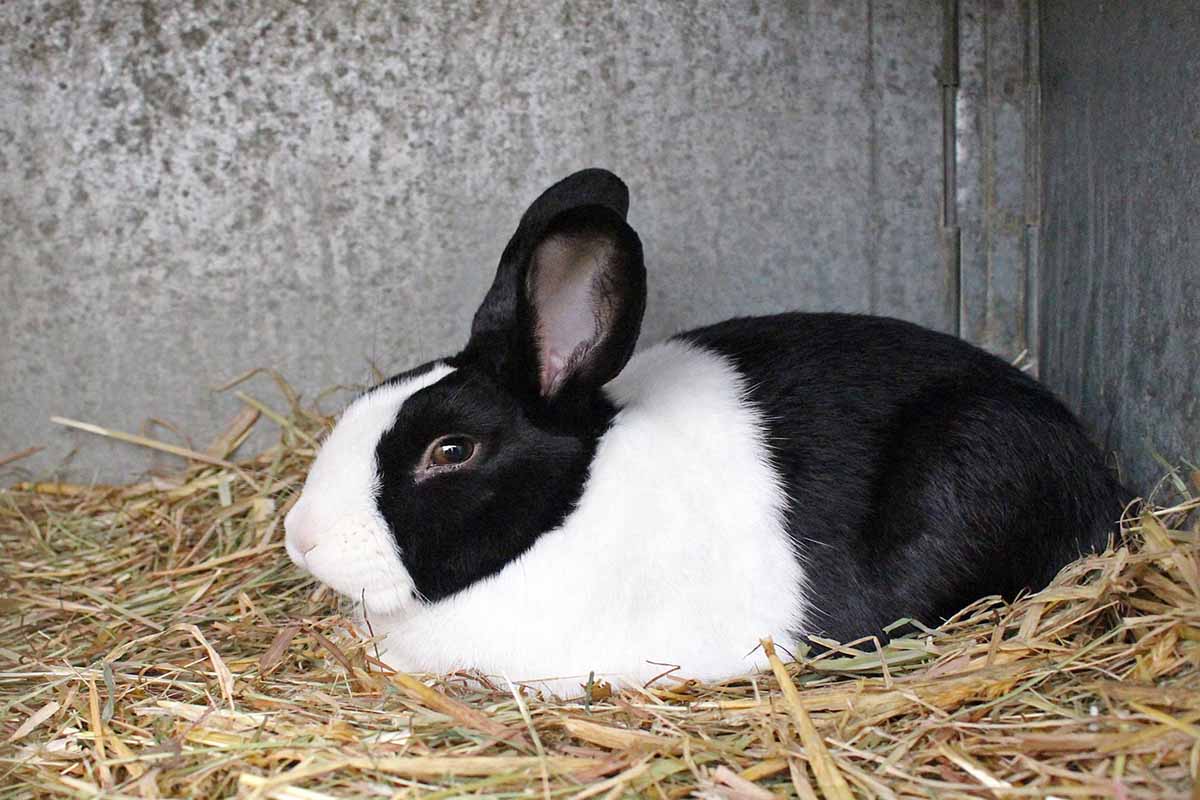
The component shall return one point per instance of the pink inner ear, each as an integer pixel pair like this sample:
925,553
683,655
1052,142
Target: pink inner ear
561,288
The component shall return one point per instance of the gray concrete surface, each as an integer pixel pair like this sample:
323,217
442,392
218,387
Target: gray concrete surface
191,190
1120,241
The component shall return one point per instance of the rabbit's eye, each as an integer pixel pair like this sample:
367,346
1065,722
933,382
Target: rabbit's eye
451,451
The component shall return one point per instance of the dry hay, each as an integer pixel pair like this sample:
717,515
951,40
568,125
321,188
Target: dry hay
156,642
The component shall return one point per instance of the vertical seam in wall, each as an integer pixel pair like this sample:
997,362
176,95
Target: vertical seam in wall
951,236
987,182
1034,189
874,221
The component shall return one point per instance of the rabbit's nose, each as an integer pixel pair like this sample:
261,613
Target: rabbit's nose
301,531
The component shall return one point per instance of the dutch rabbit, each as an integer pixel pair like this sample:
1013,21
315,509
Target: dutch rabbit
547,503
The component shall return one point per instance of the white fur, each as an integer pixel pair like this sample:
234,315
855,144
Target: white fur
335,530
677,552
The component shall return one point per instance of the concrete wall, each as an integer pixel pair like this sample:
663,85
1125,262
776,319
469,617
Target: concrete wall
190,190
1121,231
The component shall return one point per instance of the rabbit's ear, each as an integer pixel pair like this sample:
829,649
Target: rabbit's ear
564,312
586,290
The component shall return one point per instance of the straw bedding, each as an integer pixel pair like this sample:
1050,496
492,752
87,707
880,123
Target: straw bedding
156,642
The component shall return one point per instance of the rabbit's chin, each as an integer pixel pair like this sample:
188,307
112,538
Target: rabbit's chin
373,599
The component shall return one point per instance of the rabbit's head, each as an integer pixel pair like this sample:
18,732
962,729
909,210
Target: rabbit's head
438,477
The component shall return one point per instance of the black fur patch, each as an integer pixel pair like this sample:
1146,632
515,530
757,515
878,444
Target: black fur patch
457,528
409,374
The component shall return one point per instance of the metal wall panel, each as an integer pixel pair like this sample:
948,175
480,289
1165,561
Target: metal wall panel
1120,241
188,191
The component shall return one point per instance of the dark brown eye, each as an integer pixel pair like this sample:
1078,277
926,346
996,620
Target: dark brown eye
450,451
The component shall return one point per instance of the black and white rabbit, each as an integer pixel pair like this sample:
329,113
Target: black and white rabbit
546,503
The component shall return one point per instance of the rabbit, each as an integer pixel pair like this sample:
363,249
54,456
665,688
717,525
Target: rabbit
547,504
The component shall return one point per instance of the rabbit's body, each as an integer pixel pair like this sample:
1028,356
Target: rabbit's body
545,504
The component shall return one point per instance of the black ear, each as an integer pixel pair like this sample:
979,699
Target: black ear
564,311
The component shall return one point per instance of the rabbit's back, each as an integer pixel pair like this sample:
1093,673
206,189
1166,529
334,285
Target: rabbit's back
922,473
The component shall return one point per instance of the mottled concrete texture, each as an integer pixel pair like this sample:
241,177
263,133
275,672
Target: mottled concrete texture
1121,232
189,190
